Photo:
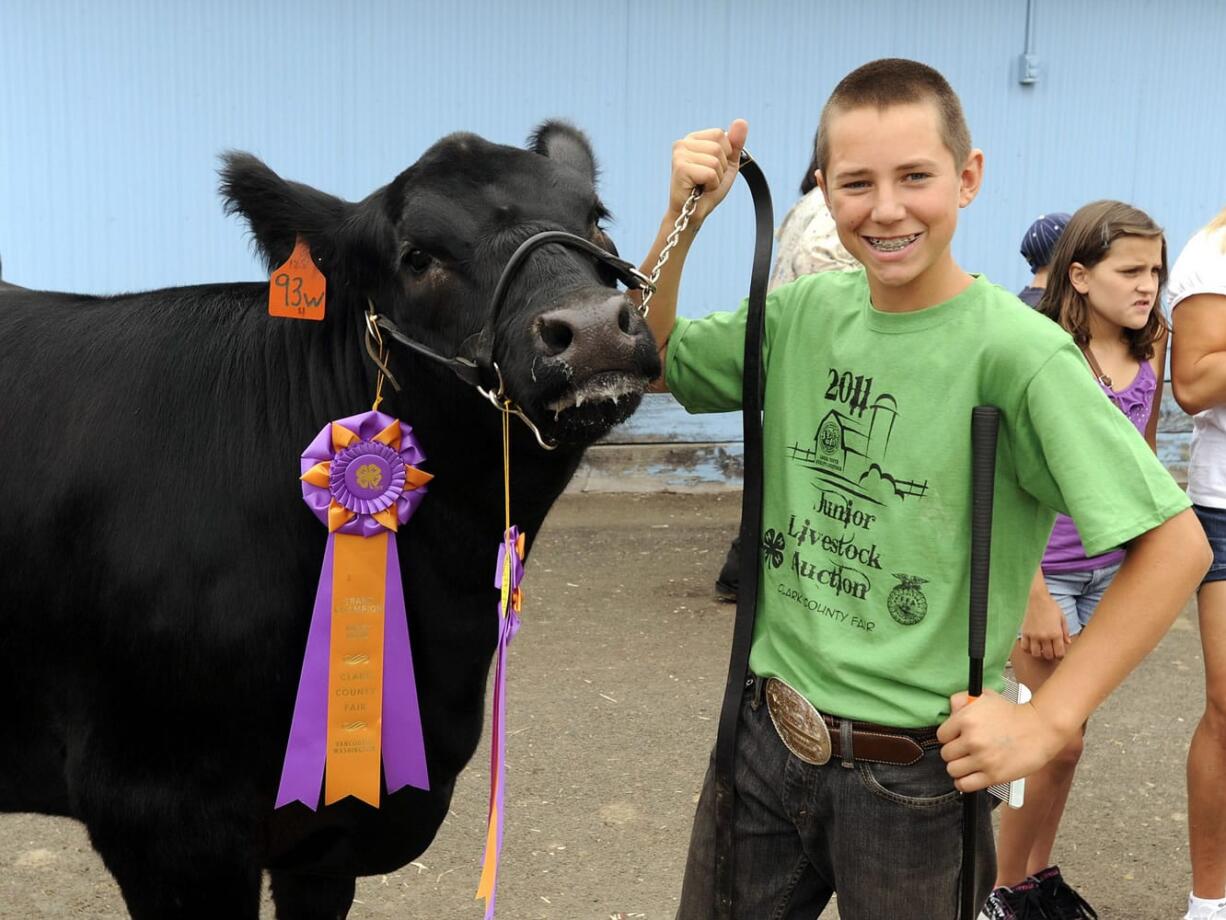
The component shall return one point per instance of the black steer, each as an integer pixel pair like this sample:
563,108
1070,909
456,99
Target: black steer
158,565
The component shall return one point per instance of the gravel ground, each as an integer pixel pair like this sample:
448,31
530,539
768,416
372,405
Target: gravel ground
615,683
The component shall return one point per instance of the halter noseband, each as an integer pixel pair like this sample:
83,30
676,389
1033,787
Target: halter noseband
474,363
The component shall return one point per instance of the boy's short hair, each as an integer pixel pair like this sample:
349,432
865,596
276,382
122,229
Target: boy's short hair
896,81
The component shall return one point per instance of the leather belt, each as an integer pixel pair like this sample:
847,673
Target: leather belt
815,737
880,743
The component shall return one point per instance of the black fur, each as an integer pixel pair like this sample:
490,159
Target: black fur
157,563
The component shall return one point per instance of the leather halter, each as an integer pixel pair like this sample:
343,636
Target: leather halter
474,363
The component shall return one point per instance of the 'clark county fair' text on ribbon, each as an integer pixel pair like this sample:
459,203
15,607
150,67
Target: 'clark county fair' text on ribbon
509,574
357,696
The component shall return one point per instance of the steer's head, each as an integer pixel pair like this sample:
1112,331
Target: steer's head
428,251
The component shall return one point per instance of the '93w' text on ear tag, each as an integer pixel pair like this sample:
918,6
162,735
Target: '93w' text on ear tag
296,289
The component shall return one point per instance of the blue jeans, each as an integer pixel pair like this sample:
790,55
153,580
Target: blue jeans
1078,593
1213,520
887,838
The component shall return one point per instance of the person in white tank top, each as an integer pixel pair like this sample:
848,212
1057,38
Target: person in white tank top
1197,297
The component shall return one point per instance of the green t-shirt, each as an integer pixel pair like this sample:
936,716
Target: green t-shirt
865,547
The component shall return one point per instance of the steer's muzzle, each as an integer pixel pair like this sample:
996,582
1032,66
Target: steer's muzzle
603,335
593,356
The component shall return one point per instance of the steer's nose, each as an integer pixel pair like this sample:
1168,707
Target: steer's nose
597,335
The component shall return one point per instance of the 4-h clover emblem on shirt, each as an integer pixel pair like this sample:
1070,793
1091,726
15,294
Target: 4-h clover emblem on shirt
772,547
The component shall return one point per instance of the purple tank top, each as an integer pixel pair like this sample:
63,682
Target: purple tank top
1065,552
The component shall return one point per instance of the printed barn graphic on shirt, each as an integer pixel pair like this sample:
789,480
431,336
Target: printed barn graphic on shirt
849,448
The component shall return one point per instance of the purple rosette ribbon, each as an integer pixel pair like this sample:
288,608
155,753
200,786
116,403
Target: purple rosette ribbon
360,477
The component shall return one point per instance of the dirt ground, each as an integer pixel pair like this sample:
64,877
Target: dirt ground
615,683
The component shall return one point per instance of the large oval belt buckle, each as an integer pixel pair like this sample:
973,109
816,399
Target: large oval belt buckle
799,724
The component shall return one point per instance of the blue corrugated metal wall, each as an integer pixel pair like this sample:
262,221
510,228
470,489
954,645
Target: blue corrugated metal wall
112,112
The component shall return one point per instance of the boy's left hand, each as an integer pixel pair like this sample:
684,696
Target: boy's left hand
994,741
709,158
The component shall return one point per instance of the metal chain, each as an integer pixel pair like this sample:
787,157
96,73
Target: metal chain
679,225
378,354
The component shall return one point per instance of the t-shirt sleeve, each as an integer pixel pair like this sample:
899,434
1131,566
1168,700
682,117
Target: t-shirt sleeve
706,356
1200,269
1077,453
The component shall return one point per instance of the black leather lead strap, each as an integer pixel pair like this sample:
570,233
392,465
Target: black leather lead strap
751,530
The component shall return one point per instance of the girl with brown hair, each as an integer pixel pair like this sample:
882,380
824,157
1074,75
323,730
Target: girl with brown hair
1106,273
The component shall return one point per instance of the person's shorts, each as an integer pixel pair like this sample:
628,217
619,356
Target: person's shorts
1078,593
1213,520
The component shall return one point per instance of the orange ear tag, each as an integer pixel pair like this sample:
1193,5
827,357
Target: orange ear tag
296,290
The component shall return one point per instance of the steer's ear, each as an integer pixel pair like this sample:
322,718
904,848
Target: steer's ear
278,211
353,244
562,141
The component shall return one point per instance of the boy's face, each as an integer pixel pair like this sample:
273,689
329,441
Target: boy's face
894,190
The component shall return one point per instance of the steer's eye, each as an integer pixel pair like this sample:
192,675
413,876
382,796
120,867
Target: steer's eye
418,260
607,275
604,240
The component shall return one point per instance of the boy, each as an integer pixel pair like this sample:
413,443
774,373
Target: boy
862,612
1037,247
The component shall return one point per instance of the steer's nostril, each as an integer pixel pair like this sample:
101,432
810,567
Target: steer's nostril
623,319
556,335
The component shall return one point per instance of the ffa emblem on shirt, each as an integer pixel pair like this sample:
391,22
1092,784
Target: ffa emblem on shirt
906,603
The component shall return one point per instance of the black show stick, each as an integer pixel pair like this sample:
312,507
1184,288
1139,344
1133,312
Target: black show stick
985,420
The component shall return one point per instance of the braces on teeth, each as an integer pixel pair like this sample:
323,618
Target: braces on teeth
892,245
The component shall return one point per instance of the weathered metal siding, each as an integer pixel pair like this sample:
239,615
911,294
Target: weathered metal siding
112,112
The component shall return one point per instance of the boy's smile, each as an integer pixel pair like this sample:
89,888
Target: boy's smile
885,244
894,191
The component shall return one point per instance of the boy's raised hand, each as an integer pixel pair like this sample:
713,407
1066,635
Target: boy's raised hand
708,158
991,740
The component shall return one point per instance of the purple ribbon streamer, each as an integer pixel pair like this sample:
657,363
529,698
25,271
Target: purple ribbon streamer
302,774
404,747
508,626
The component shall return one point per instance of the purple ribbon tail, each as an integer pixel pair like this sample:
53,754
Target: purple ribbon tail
498,750
404,747
302,775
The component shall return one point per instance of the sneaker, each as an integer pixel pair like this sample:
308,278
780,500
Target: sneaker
1021,902
1213,912
1059,898
730,575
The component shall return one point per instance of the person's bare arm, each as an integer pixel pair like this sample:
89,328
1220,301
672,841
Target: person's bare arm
1198,353
993,740
709,159
1044,630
